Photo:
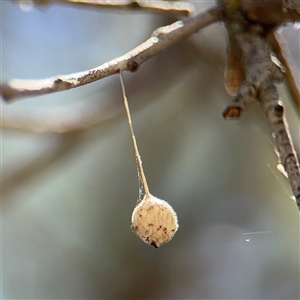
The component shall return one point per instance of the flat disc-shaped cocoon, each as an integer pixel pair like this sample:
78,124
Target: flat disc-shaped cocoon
154,221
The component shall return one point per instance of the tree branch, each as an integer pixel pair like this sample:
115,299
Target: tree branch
282,53
274,111
261,74
252,71
165,7
259,70
161,39
271,13
173,8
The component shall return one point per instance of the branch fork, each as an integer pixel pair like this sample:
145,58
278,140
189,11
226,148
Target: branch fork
252,70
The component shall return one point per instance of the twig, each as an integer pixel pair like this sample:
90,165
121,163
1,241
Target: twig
274,111
90,112
166,7
234,73
161,39
259,69
282,53
244,45
261,74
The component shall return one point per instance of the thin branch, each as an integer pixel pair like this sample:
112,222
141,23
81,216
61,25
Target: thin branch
166,7
234,73
274,111
90,112
161,39
247,61
283,54
261,74
259,70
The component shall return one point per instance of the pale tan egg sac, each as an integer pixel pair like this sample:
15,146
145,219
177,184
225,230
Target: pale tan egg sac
154,221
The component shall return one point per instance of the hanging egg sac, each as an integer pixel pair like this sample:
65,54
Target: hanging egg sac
154,221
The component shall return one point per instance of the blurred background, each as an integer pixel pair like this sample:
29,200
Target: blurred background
67,199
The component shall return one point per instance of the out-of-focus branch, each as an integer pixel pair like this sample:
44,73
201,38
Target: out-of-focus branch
29,169
173,8
161,39
75,118
271,13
